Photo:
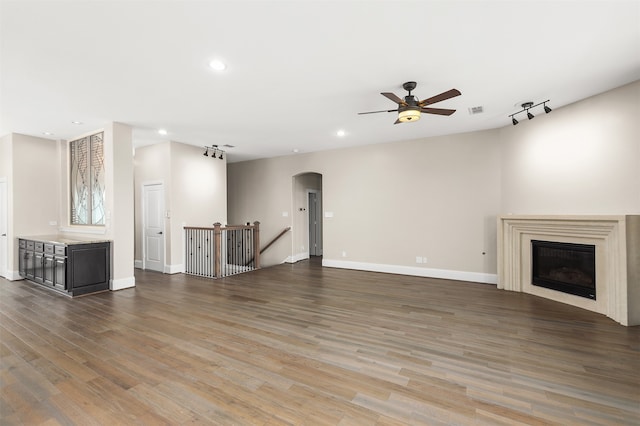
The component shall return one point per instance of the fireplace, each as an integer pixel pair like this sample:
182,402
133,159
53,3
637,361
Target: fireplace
616,241
565,267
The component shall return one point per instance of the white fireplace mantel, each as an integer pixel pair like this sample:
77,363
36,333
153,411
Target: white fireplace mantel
617,243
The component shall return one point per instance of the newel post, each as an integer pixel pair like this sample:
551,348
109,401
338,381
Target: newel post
217,237
256,244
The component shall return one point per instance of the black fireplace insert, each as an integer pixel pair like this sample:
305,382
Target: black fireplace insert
566,267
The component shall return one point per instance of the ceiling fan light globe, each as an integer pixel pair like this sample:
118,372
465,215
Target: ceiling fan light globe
408,115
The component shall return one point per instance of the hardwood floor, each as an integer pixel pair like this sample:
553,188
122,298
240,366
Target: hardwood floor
301,344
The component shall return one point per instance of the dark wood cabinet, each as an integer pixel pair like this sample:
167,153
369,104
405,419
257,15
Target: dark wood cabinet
49,265
74,268
22,261
38,269
60,273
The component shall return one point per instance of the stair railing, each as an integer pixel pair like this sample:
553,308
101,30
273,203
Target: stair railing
276,238
222,251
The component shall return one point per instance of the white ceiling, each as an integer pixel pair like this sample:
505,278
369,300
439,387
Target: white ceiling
299,71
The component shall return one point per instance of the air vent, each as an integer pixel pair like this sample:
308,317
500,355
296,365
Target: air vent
476,110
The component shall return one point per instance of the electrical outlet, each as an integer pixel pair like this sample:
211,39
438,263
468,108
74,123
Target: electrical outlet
344,254
418,259
424,260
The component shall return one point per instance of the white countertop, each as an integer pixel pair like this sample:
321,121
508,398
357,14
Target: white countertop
65,239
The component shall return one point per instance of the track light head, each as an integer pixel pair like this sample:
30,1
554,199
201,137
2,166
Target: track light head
526,106
215,152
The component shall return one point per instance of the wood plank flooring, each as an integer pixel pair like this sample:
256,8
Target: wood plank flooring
301,344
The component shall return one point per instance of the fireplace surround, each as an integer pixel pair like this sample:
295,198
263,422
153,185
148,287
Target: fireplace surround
616,240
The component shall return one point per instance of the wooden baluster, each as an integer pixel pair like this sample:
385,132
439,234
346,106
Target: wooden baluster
256,244
217,233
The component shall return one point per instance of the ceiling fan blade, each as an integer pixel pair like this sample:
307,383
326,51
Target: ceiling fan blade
375,112
439,111
441,97
397,121
394,98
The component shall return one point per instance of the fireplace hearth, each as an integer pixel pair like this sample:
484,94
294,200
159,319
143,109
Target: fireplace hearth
566,267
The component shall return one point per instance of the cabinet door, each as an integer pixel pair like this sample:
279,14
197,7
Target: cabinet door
22,263
60,271
28,261
38,259
48,269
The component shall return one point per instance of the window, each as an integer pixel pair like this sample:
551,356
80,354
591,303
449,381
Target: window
87,180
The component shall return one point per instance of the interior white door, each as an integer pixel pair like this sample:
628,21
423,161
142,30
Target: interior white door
153,224
4,229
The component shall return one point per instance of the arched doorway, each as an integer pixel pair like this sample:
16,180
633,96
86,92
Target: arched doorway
307,235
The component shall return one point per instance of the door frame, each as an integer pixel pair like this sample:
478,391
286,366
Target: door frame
143,221
5,202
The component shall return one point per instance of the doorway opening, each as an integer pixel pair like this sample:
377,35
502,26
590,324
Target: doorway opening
307,222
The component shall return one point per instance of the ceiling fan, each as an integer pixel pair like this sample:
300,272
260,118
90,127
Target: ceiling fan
410,108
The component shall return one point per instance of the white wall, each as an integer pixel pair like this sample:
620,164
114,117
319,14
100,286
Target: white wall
580,159
119,202
6,175
435,198
199,193
195,192
438,197
152,165
32,186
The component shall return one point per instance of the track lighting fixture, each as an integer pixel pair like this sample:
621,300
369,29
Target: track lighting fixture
214,150
526,107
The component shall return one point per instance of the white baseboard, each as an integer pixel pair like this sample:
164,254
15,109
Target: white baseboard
13,276
168,269
297,257
477,277
174,269
122,283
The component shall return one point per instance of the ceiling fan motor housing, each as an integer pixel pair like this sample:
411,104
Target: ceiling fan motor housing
411,101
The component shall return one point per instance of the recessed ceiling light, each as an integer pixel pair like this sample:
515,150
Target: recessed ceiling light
217,65
47,133
162,132
77,122
341,133
295,150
